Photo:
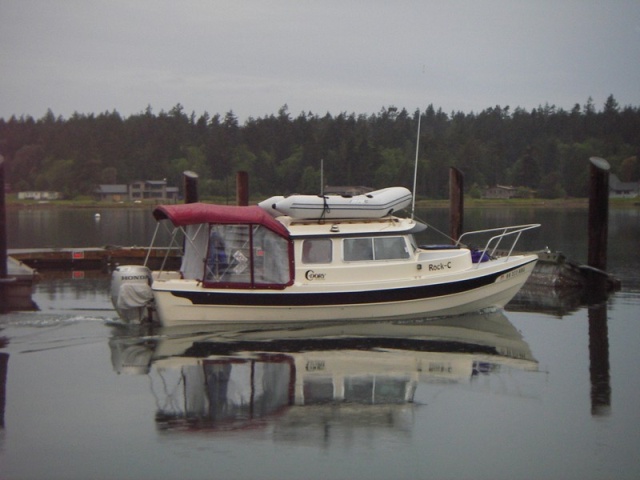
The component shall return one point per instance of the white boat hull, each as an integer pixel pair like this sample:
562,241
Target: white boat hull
491,284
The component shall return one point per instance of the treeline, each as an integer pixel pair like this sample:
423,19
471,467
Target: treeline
545,149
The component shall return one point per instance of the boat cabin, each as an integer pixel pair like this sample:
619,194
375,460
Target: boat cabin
232,247
244,247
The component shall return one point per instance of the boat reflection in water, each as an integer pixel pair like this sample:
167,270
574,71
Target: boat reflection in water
369,372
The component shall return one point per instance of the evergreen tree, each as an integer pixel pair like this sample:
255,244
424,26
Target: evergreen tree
546,148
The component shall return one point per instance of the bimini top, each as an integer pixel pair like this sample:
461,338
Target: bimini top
194,213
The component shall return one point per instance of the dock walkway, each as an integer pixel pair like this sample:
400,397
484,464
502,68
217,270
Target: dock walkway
93,257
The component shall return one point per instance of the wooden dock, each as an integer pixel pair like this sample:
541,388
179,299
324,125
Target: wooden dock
553,269
556,271
94,258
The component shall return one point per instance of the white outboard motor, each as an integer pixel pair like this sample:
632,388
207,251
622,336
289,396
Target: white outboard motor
131,292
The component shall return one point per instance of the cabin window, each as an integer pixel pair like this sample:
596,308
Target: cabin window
247,256
317,250
357,249
390,248
375,248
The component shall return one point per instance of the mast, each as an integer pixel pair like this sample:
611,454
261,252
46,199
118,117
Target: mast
415,168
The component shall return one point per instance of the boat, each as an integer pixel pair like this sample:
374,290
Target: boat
376,204
242,264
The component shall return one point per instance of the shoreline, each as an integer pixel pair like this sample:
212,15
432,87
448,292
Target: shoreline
469,203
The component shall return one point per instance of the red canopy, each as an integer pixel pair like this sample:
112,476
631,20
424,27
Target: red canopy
194,213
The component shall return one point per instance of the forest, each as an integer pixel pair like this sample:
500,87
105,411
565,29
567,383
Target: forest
545,150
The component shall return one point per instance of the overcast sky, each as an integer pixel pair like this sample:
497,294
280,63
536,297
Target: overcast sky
254,56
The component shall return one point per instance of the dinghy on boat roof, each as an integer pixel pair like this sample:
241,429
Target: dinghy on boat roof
376,204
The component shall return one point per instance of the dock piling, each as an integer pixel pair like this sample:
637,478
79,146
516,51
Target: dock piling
456,202
242,188
4,301
597,278
598,212
190,186
16,282
3,225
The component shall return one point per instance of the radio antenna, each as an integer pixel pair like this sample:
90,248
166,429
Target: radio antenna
415,168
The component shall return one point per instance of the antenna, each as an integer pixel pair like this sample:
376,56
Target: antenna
415,168
322,177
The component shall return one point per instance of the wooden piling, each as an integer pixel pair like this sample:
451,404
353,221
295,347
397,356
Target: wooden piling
598,281
598,212
456,203
3,225
4,363
4,281
190,186
242,188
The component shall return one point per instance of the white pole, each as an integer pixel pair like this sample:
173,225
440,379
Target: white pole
415,169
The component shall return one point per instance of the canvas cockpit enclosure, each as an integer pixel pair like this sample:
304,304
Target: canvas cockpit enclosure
232,247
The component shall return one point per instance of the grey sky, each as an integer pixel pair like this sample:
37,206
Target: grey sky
334,56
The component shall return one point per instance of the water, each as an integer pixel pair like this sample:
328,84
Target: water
59,228
519,394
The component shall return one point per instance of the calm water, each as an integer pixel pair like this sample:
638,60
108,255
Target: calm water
528,393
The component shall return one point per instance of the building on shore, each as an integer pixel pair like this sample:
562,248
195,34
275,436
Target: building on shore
507,191
619,189
155,190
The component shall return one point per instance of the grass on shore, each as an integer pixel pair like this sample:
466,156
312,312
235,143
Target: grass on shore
86,202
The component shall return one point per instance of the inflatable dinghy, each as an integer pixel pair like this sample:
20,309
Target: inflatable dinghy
376,204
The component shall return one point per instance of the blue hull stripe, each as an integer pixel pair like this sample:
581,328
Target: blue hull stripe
283,299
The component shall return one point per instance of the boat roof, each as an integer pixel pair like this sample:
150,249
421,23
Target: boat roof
389,225
195,213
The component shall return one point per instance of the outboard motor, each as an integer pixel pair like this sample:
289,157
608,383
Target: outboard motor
131,292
